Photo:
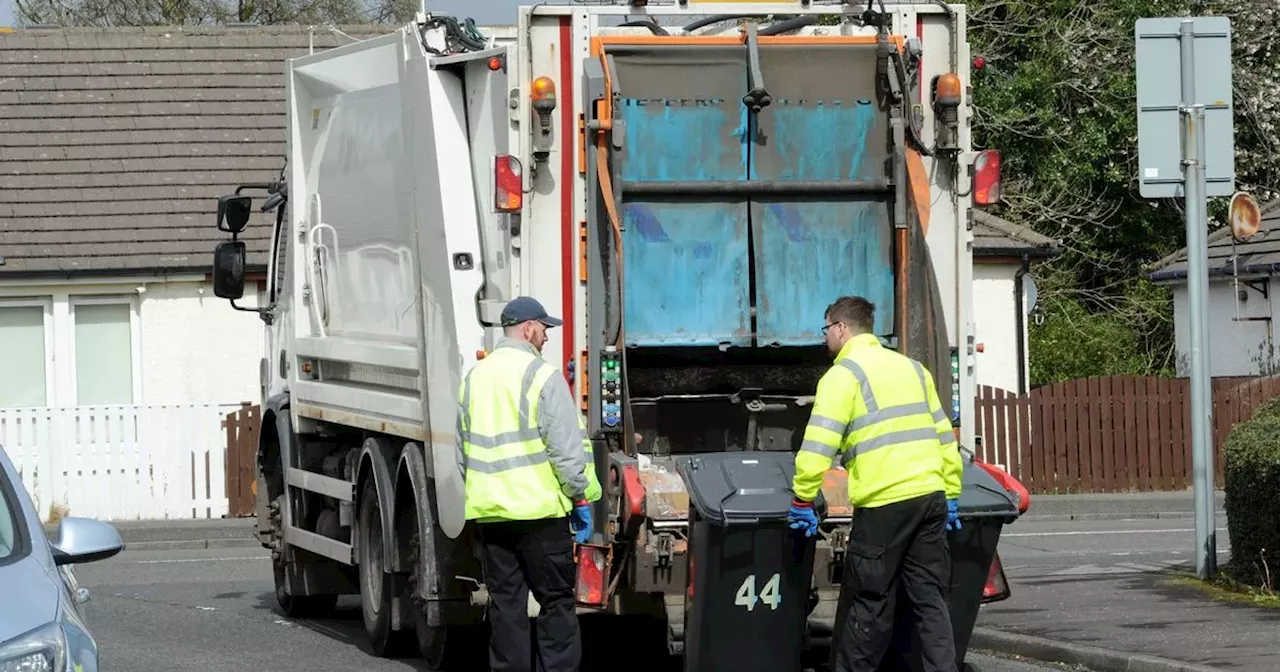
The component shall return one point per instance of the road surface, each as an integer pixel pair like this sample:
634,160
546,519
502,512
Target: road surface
207,610
1032,549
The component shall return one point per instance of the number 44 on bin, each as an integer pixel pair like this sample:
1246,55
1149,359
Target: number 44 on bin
747,596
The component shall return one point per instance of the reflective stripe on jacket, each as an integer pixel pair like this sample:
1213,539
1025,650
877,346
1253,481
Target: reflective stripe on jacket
516,466
878,412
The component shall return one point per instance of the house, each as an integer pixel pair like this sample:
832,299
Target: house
114,144
1241,309
1003,297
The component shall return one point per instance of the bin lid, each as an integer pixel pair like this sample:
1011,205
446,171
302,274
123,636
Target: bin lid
981,495
739,487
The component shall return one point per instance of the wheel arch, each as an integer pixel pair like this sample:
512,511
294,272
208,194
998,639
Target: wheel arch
452,567
417,493
275,444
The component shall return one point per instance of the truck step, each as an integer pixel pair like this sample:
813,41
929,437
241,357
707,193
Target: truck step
339,489
318,544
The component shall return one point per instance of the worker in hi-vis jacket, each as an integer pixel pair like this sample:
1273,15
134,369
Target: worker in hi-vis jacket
877,411
530,481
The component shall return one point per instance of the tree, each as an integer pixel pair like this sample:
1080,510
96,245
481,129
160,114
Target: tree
197,12
1057,97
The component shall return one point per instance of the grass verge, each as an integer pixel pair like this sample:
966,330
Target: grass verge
1224,588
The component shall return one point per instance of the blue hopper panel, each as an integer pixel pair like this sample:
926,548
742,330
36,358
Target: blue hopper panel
686,274
809,254
686,277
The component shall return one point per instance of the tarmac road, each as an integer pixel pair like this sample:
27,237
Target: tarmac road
1034,548
207,610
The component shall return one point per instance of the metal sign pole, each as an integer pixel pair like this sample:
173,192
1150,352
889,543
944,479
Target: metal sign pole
1195,105
1196,207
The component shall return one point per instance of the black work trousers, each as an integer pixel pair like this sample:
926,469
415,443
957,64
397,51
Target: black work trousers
897,545
536,555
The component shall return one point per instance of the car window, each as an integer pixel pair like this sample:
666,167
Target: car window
12,539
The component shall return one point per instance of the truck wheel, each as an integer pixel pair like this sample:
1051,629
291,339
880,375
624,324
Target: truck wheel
378,588
298,606
443,647
970,667
294,606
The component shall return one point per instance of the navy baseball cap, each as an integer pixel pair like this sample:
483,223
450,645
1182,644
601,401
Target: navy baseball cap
524,309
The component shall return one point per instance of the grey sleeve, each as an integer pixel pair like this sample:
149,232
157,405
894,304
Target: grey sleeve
558,426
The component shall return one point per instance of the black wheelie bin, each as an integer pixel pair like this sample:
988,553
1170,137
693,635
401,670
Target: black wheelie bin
749,573
985,508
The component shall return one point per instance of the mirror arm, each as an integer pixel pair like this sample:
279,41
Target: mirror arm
267,314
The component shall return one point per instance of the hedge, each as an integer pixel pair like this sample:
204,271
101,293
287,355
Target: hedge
1251,461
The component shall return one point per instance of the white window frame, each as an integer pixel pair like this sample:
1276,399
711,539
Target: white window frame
50,373
135,340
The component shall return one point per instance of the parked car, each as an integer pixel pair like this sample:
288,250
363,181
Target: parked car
42,625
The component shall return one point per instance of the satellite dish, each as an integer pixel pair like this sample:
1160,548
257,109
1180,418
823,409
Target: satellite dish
1032,293
1245,216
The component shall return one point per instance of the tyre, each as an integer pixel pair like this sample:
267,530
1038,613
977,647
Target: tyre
970,667
294,606
447,647
378,588
299,606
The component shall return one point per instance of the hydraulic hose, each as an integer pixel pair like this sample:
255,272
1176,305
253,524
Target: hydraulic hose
650,24
708,20
793,23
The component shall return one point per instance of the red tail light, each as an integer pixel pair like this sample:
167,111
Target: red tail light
508,188
997,587
593,574
986,178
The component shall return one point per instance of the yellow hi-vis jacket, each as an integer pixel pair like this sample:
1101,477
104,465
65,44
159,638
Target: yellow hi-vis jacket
878,411
525,452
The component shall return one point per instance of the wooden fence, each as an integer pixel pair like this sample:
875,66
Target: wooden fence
120,462
242,452
1112,434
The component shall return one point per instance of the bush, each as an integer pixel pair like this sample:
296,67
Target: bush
1269,409
1251,460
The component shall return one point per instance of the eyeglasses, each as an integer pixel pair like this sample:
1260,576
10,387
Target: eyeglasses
824,329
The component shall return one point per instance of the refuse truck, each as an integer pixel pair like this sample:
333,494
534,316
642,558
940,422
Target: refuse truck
688,185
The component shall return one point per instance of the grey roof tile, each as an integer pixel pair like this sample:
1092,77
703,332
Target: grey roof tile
994,236
115,142
1258,255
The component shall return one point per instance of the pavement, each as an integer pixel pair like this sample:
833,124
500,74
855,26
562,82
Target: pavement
1106,580
212,609
1098,581
1127,506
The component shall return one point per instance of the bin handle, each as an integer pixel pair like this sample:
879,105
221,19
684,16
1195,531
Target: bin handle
729,518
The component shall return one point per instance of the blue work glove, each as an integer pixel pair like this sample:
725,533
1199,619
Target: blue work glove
802,516
580,521
953,514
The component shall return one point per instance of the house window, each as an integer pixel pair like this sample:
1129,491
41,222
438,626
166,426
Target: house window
104,353
24,358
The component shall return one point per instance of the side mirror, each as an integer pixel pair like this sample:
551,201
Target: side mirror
228,270
233,213
85,540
